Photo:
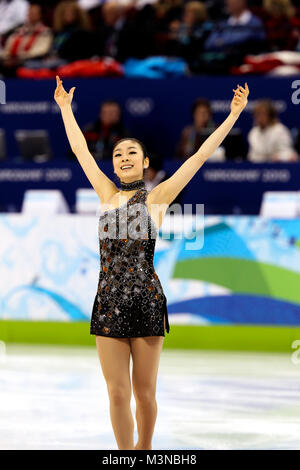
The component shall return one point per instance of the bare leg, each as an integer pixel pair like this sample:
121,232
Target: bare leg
145,354
114,355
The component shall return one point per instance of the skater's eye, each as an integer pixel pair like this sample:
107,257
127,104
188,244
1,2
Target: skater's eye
131,152
117,154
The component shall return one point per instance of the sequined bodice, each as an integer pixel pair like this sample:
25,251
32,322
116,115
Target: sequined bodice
130,300
127,237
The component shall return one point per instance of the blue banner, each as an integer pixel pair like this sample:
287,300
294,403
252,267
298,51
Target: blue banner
155,111
223,188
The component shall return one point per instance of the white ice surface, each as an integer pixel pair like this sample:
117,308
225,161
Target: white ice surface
56,398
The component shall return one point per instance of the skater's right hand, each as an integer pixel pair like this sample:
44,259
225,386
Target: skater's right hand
61,97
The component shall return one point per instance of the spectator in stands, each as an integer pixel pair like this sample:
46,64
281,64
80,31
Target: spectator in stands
113,20
102,134
240,34
269,140
167,11
74,38
155,174
93,7
31,40
282,25
186,37
195,134
126,31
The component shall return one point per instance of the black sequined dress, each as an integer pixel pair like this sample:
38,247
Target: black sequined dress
130,301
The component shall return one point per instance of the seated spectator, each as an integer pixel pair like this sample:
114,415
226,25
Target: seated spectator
269,139
193,136
93,7
155,174
31,40
240,34
186,37
74,38
102,134
282,26
167,11
113,20
126,31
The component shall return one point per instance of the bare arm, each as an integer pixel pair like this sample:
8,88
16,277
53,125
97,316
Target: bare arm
103,186
168,190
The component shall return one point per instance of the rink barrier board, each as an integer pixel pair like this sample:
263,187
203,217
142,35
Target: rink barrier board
217,337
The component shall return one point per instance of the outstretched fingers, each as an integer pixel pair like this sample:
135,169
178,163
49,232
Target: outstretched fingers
241,92
58,85
237,90
59,82
240,88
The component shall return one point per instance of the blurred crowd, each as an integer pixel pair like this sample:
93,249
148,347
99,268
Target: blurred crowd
210,36
268,141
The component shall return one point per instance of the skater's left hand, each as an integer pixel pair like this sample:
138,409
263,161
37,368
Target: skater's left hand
239,100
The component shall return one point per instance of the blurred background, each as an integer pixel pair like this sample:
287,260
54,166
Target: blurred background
162,71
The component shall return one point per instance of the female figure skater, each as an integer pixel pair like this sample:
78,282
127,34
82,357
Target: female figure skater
129,314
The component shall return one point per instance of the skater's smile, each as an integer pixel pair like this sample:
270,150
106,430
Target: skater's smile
126,167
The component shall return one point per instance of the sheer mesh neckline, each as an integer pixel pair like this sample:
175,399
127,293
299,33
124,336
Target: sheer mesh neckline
116,208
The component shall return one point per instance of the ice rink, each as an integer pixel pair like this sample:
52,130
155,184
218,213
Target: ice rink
56,398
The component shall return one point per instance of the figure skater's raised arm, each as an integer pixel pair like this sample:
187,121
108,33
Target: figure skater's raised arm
166,192
103,186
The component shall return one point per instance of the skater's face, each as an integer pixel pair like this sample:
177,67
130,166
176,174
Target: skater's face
129,161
